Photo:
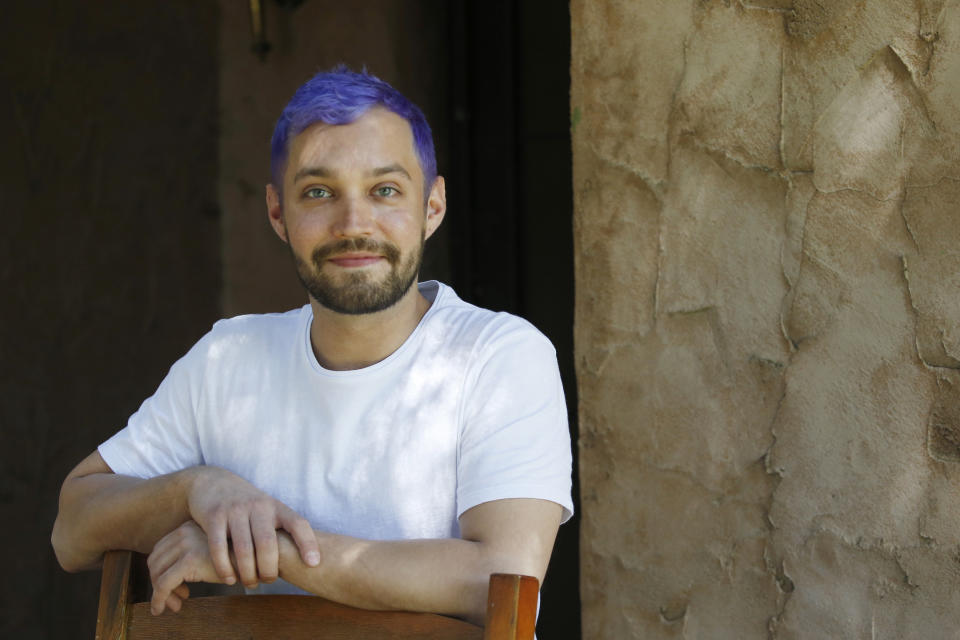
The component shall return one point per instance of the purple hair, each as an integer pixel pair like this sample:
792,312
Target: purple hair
340,96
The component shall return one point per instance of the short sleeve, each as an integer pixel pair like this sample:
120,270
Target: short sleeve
515,441
162,436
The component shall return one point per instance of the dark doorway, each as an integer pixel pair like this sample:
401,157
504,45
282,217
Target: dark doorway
511,233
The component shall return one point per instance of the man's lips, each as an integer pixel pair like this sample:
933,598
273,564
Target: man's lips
349,260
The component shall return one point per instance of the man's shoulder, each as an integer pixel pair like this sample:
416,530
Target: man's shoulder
261,322
252,332
484,328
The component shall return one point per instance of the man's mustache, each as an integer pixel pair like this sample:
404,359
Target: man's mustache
351,245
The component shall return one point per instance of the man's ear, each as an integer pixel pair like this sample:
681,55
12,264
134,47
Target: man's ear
275,212
436,206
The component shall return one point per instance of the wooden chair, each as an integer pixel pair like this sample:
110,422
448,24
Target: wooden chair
124,613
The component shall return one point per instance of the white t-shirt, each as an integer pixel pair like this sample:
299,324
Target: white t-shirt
468,410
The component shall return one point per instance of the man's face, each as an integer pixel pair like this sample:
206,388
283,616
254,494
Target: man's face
354,212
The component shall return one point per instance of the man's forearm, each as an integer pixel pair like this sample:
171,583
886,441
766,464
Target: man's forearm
100,510
448,576
103,511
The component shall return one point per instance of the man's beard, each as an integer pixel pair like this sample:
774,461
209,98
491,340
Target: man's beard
359,292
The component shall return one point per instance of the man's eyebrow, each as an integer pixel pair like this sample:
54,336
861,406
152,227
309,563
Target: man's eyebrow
391,168
313,172
324,172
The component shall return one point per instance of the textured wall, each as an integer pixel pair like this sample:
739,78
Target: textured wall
768,317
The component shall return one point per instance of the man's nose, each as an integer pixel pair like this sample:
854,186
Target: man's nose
354,218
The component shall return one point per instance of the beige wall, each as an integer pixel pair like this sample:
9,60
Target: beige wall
768,317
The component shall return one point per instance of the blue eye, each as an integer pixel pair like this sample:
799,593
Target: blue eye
317,192
386,191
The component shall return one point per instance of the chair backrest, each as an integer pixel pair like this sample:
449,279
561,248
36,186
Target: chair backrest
124,613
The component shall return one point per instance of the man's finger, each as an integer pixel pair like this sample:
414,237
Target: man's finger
219,551
174,602
169,588
163,586
268,552
160,559
157,603
243,549
303,536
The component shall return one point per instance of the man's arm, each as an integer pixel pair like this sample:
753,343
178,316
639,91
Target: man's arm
100,510
448,576
439,576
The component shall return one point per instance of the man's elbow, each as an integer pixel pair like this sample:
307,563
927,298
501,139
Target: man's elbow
67,557
514,561
497,560
60,549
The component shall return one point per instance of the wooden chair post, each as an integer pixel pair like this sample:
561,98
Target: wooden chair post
511,607
116,595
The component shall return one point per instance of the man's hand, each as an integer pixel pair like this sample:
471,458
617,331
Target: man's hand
227,506
181,556
100,510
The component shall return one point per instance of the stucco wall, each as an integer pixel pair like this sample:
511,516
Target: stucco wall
768,317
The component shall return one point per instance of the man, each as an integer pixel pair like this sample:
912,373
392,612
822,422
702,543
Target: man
386,446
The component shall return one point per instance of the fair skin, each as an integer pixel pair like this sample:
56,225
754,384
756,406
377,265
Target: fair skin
360,180
354,181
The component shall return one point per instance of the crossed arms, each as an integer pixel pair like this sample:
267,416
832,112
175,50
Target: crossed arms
206,524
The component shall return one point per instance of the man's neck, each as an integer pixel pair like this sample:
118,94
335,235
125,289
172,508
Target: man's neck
343,342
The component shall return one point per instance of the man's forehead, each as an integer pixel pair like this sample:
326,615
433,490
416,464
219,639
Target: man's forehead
376,126
379,138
